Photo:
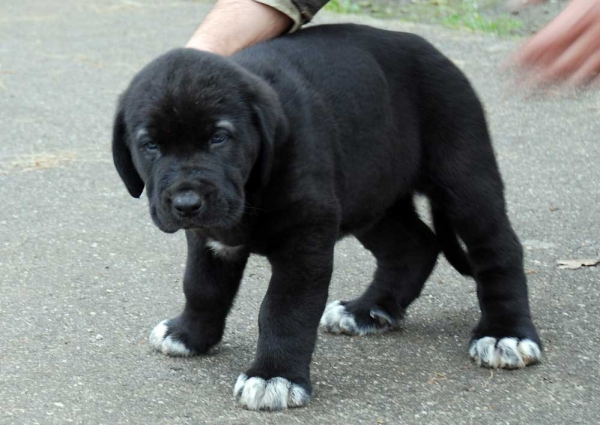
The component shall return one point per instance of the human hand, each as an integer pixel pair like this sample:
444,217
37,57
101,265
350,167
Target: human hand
567,50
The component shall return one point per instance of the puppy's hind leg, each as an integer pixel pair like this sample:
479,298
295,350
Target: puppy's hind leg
406,251
466,185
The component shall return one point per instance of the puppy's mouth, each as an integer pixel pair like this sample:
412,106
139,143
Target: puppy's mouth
219,214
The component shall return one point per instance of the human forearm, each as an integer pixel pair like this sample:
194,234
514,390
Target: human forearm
234,24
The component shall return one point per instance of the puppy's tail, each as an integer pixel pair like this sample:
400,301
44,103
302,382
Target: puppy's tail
451,248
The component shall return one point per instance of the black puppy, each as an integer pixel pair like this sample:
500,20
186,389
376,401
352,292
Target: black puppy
290,145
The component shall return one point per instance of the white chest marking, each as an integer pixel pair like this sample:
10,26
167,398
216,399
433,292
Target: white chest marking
221,250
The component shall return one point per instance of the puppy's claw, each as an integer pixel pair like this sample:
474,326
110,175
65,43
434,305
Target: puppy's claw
274,394
338,320
167,344
382,316
506,353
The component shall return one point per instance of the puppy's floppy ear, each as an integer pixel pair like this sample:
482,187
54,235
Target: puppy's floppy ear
122,156
267,134
271,123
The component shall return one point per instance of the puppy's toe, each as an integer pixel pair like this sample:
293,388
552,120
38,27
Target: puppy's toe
162,341
338,319
273,394
504,353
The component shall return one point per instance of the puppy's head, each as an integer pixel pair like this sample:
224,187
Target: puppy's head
197,131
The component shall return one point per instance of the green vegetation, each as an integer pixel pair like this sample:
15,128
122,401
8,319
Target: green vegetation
343,6
477,15
466,13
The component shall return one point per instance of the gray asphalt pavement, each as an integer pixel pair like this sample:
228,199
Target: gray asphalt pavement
84,275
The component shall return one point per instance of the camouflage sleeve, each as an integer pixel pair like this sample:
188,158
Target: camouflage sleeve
300,11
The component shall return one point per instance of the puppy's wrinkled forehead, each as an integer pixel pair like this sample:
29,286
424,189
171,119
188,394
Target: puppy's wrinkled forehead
184,93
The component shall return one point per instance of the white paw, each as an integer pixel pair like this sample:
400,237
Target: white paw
167,345
507,353
336,319
273,394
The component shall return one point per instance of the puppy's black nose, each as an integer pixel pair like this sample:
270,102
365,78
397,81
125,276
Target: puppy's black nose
187,203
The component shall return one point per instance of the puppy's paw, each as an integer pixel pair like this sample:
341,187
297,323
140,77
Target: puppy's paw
185,336
273,394
505,353
162,340
338,319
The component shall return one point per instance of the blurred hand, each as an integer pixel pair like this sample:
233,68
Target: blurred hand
567,50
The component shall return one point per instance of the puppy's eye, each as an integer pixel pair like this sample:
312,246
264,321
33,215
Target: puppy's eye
219,137
149,146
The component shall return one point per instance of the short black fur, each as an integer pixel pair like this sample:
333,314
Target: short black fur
331,132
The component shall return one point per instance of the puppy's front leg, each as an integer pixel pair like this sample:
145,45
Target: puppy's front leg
288,322
212,278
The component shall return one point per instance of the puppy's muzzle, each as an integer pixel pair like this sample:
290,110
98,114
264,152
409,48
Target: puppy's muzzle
187,204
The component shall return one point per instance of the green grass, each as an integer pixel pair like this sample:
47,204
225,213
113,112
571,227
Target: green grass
373,8
475,22
343,6
468,14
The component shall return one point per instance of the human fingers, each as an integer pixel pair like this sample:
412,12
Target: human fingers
561,65
552,40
